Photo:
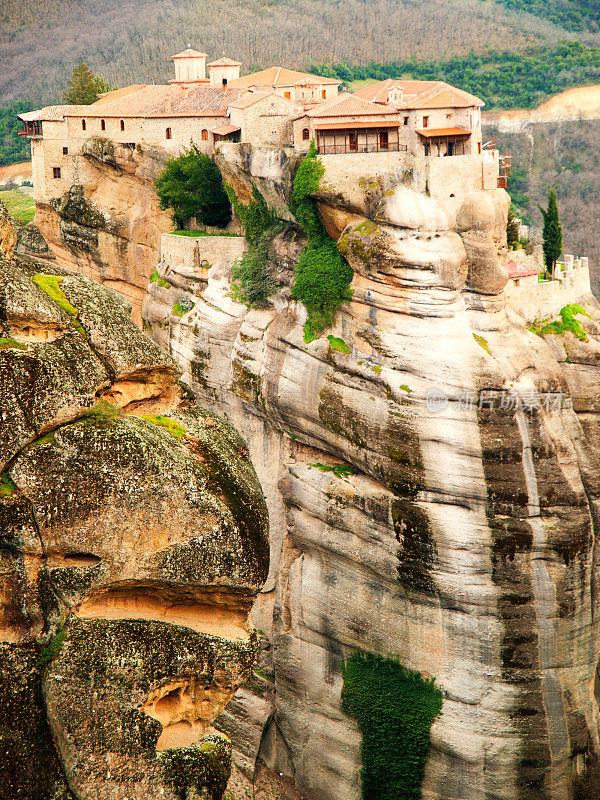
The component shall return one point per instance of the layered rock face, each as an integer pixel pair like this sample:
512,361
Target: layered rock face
431,471
133,539
108,226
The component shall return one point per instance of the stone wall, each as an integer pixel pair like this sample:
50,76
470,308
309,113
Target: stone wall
537,301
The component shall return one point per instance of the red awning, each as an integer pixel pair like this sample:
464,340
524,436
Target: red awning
354,126
430,133
224,130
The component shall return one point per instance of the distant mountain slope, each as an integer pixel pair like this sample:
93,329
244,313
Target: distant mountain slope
132,40
574,15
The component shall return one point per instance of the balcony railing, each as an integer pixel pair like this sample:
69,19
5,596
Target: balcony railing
339,148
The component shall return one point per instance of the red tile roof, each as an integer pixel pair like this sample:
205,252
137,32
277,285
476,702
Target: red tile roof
419,94
349,105
225,62
223,130
278,76
431,132
520,270
189,53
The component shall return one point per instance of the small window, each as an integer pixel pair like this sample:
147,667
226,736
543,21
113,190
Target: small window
406,120
56,172
448,116
83,125
65,151
479,147
305,134
122,124
287,95
224,83
323,94
168,133
102,125
425,122
205,135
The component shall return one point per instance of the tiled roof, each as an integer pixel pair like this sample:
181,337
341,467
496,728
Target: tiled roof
225,62
278,76
420,94
189,53
224,130
520,270
48,114
160,101
428,133
249,98
349,105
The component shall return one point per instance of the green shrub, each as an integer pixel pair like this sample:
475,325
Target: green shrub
7,487
191,186
255,272
255,216
322,275
566,323
174,428
395,708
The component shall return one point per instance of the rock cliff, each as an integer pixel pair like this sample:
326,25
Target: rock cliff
109,225
133,539
432,477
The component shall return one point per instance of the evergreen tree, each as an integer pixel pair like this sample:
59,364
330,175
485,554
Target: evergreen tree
191,186
512,230
85,86
552,232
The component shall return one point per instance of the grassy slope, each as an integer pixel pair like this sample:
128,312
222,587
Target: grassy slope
132,40
19,205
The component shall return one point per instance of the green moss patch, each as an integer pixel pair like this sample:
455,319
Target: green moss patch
338,344
19,205
181,308
482,343
155,278
395,708
51,285
339,470
7,344
174,428
103,410
567,322
7,487
52,649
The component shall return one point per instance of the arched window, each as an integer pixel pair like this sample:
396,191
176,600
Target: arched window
122,124
82,124
224,83
102,125
168,133
205,134
306,134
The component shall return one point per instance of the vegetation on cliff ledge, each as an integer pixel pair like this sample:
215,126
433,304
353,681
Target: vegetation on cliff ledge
322,275
191,186
395,708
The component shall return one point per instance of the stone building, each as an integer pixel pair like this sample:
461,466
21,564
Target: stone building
209,103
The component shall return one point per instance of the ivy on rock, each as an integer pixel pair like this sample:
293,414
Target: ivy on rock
394,708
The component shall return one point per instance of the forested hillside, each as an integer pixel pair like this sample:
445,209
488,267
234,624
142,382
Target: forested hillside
132,40
575,15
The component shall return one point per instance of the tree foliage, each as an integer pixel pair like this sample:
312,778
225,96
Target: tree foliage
512,230
395,708
573,15
502,79
13,148
322,275
84,86
552,232
191,185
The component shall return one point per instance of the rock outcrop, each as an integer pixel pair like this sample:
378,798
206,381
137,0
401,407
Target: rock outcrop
431,471
133,540
108,226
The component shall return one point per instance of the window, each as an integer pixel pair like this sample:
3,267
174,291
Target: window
56,172
205,135
323,94
406,120
224,83
82,124
168,133
479,147
352,140
383,140
287,95
425,122
122,124
427,149
102,125
448,116
305,134
65,151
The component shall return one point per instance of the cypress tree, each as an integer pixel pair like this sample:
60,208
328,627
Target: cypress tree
512,231
84,86
552,233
